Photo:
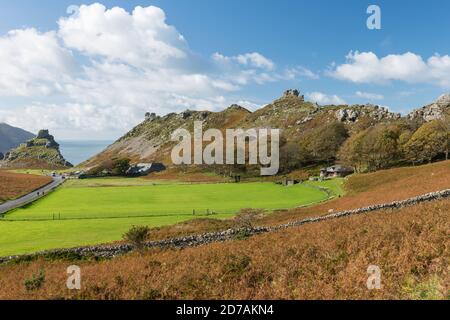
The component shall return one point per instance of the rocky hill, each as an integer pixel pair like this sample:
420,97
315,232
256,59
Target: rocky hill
40,152
11,137
150,140
434,111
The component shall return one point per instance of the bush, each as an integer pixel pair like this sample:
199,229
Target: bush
120,166
236,265
247,217
36,281
137,236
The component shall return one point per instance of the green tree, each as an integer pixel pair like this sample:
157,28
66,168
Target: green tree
323,143
374,148
137,236
120,166
430,140
444,125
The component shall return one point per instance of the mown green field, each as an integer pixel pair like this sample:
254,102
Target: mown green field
85,212
20,237
162,200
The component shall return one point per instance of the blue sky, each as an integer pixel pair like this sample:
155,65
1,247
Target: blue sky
232,51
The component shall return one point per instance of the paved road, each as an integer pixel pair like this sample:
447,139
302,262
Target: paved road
13,204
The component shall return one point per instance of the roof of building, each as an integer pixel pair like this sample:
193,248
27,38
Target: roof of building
338,168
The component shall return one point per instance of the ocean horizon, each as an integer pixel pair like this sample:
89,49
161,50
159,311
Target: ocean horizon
77,151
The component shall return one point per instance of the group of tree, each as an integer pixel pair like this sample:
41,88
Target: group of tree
386,145
373,148
320,145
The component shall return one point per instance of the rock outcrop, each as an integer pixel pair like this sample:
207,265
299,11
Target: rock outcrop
293,93
355,112
40,152
434,111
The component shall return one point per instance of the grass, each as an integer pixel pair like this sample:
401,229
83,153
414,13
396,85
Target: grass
334,185
111,182
19,237
102,210
172,200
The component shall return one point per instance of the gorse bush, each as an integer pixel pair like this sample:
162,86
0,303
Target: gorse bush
35,282
137,236
247,217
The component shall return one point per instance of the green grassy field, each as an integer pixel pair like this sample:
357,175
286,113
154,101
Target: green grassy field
101,210
20,237
162,200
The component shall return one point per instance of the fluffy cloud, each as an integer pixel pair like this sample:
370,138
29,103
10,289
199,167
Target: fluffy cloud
102,69
324,99
255,59
32,63
255,68
367,67
370,96
142,38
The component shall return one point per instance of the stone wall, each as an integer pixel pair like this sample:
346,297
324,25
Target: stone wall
203,239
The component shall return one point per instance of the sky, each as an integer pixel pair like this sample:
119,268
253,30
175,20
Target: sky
90,70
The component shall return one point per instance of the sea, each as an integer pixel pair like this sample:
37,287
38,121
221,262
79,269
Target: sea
77,151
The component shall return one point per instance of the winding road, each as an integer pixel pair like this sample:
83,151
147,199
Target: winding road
33,196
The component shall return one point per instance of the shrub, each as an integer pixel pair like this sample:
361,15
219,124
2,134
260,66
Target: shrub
137,236
36,281
152,294
120,166
247,217
236,265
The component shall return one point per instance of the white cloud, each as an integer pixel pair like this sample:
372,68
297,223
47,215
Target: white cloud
32,63
255,59
366,67
250,105
102,69
301,71
255,68
369,96
142,38
324,99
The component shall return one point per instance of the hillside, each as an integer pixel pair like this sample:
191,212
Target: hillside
41,152
326,260
15,185
11,137
150,140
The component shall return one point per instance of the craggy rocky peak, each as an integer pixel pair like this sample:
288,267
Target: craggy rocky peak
444,100
293,93
354,113
434,111
44,134
150,116
40,140
42,150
